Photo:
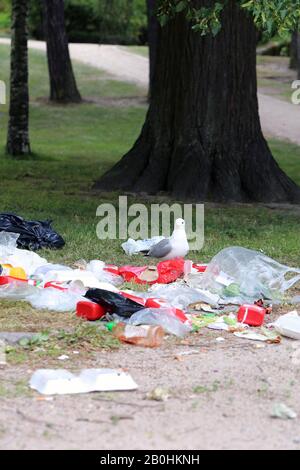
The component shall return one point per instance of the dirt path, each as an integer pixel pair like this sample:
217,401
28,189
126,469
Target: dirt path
221,397
279,119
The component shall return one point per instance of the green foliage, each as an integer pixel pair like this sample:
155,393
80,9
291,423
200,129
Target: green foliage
105,21
274,16
271,16
4,15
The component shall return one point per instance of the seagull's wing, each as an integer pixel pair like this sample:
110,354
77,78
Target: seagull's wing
161,249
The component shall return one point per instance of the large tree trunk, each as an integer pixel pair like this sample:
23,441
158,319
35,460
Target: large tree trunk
202,138
298,54
63,88
153,33
294,51
18,134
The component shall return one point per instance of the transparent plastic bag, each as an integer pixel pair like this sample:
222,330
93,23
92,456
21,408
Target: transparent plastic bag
160,317
54,299
10,254
16,291
179,295
8,243
240,275
97,268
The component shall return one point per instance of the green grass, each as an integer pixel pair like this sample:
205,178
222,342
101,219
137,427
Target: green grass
75,145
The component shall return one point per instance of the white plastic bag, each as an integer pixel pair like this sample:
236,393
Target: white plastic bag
96,267
54,299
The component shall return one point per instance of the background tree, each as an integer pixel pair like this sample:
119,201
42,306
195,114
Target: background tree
298,54
202,137
153,32
63,88
18,133
294,51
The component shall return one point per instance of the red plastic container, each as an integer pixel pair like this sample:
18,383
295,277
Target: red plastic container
251,315
90,311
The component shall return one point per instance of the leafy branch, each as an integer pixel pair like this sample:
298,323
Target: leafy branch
271,16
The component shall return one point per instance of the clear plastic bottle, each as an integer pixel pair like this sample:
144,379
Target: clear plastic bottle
147,336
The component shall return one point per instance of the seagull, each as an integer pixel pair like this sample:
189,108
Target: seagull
174,247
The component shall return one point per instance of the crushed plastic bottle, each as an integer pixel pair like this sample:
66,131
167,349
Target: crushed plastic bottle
149,337
163,317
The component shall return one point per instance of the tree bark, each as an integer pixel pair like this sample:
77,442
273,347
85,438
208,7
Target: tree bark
63,88
153,33
298,54
18,133
202,139
294,51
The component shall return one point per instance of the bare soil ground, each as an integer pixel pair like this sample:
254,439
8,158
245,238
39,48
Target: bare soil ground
221,397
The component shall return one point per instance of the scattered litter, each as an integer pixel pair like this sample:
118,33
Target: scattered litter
11,255
133,247
113,302
146,336
220,339
252,315
64,357
201,307
289,325
181,297
54,300
164,317
165,272
2,354
282,411
264,335
240,275
226,323
260,346
63,382
159,394
90,311
186,353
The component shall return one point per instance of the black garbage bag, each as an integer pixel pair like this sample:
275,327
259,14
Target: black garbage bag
34,234
114,303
